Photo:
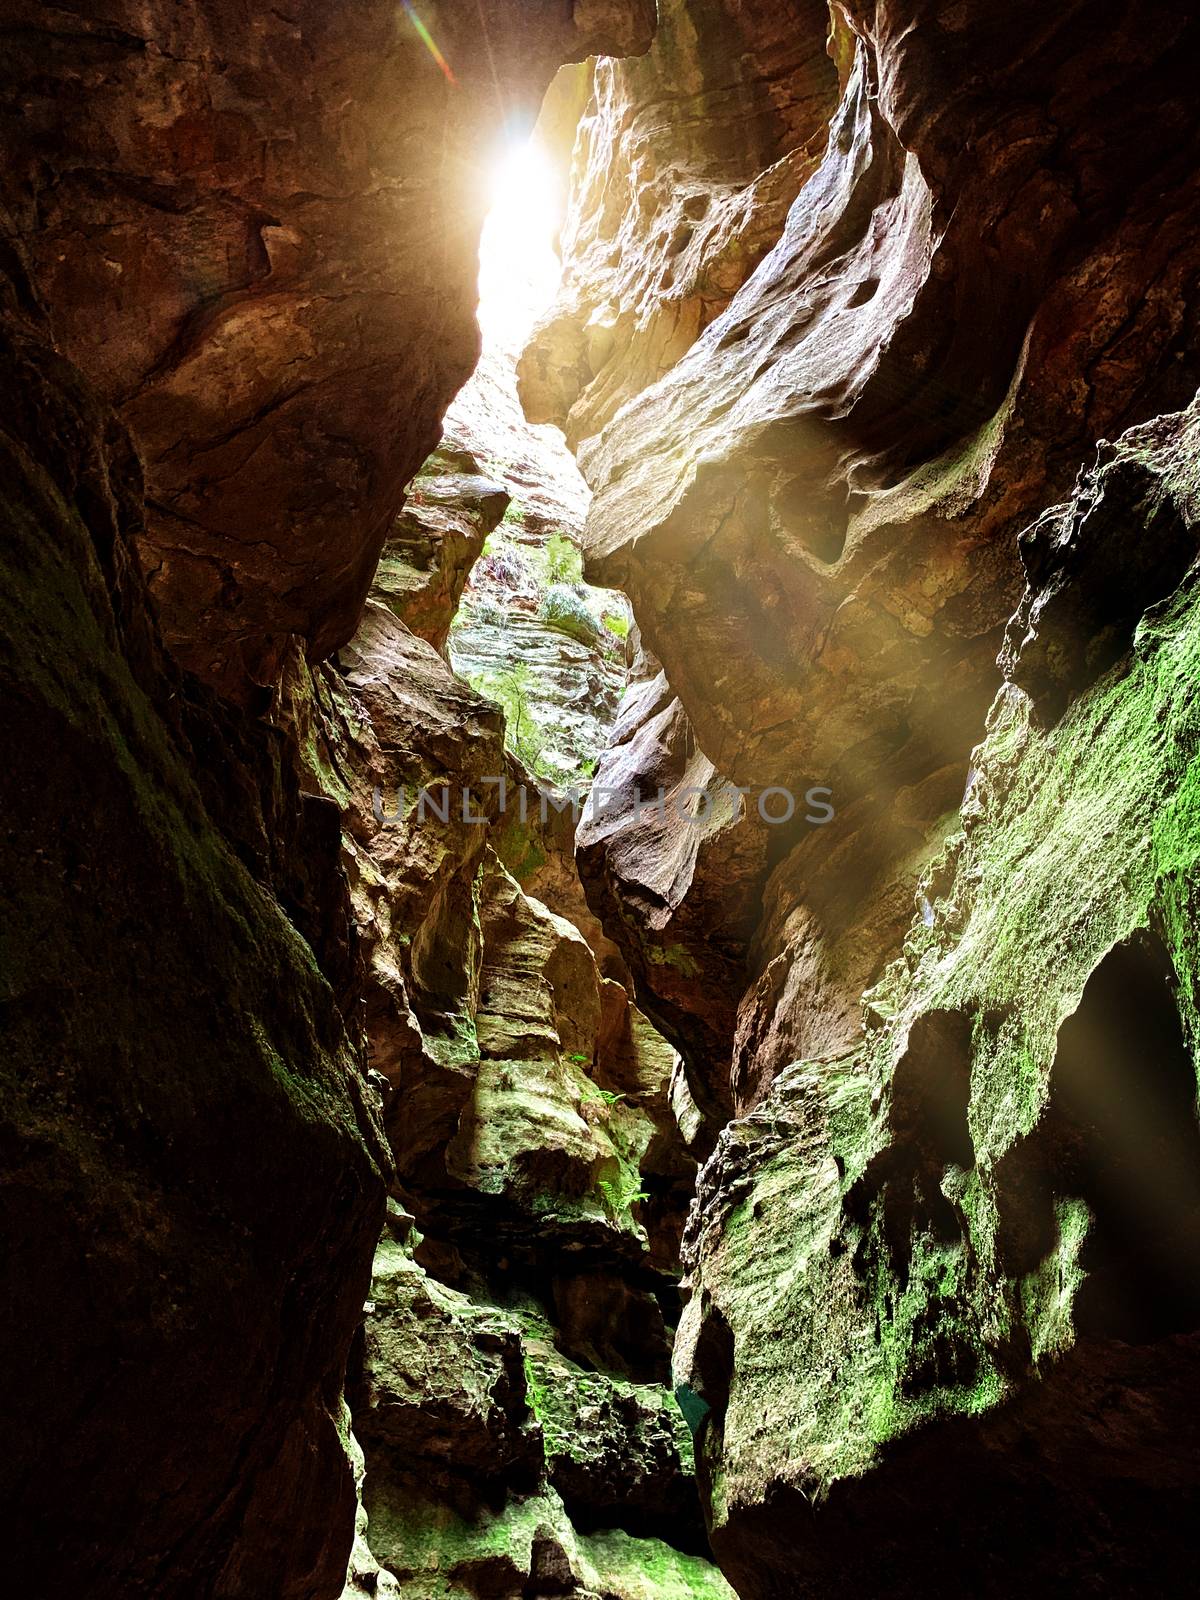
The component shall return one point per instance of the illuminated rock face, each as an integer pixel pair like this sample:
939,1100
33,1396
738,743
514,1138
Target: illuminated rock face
511,1392
685,163
258,231
815,508
910,1280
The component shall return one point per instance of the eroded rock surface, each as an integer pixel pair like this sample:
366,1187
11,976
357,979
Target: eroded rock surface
987,1218
530,634
259,231
512,1402
674,868
487,1449
836,325
194,1164
450,508
810,510
685,164
813,497
244,243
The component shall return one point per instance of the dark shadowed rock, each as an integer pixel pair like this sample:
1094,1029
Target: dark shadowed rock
194,1167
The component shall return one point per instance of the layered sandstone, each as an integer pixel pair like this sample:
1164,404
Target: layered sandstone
511,1396
908,1280
685,164
815,508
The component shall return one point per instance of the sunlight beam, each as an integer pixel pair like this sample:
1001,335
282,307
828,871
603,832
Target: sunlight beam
519,268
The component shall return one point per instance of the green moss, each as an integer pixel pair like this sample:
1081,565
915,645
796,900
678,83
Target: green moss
1047,1292
647,1569
674,955
1075,836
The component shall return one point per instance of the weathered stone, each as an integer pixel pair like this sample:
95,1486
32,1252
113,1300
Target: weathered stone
530,634
813,507
833,913
483,1442
449,509
674,870
530,1104
685,165
194,1166
944,1264
617,1453
875,551
988,1216
443,1384
259,233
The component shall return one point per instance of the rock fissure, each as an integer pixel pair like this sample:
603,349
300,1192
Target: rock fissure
441,1163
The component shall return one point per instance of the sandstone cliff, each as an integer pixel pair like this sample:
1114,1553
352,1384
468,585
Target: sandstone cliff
239,266
449,1201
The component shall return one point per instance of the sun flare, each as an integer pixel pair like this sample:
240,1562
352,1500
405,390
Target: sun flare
519,268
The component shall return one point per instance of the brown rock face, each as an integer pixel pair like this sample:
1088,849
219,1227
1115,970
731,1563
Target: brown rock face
685,165
450,509
675,877
814,511
258,234
836,324
815,507
515,1352
194,1165
255,234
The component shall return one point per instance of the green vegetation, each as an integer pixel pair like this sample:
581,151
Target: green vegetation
674,955
564,564
899,1327
509,689
615,624
563,609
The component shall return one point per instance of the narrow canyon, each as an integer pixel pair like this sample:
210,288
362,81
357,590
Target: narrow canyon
600,960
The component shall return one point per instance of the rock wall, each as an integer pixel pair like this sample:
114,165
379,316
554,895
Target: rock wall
227,342
815,508
258,231
529,632
194,1165
510,1390
928,1246
685,164
987,1216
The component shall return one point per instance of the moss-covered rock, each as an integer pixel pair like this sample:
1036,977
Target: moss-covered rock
968,1254
194,1165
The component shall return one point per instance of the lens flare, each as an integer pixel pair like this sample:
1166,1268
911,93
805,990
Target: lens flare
426,39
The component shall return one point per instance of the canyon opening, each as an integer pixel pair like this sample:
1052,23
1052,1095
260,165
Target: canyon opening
600,842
